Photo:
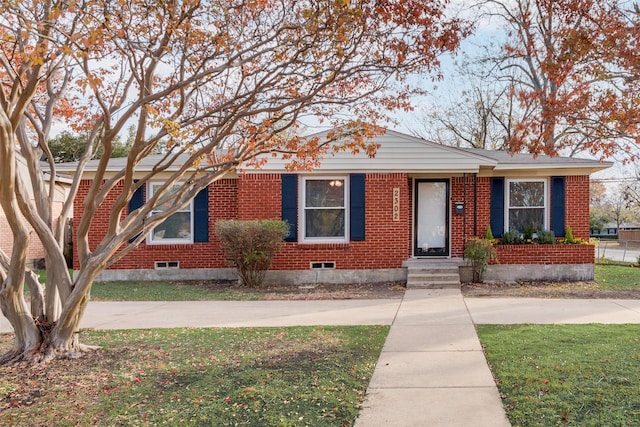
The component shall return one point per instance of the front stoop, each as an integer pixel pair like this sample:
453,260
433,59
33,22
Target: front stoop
433,273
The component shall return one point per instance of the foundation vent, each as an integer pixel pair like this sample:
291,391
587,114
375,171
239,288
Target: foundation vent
324,265
161,265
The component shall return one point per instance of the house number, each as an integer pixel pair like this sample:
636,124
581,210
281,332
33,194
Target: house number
396,204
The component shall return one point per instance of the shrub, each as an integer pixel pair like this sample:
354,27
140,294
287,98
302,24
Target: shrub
568,236
511,237
489,234
479,252
546,237
527,233
250,246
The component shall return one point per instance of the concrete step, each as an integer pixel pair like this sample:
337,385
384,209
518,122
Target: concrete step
424,277
434,285
434,274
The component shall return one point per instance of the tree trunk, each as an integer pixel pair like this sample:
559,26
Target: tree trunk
27,335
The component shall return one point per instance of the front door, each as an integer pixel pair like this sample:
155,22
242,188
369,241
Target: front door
431,218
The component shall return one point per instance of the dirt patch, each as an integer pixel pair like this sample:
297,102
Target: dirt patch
395,290
311,292
582,290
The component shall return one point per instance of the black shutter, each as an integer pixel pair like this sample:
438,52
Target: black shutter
557,205
290,205
137,199
497,206
356,206
201,216
136,202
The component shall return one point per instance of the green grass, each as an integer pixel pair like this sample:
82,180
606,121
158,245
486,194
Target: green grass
555,375
617,277
296,376
164,291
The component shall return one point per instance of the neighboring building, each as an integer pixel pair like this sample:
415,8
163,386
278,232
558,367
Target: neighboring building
359,219
35,253
610,229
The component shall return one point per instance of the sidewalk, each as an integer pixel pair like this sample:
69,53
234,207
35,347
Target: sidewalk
431,371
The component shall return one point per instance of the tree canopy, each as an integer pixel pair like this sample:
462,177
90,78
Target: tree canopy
567,72
213,83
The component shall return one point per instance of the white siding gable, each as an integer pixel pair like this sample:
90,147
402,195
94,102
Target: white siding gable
397,153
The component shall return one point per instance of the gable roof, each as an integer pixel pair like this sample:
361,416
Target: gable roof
398,152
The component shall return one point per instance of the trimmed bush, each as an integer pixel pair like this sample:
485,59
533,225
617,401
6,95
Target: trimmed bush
546,237
250,246
511,237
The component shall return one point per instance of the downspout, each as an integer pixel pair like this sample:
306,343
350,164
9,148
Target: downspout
464,213
475,204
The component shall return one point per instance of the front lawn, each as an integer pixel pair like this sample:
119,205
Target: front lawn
298,376
555,375
168,291
618,277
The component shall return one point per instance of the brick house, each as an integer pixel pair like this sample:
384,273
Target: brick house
35,251
358,219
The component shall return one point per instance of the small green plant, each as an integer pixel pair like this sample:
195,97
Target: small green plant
489,234
527,233
511,237
250,246
568,236
546,237
479,252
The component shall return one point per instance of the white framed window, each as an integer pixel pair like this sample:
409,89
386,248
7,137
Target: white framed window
526,204
177,228
324,213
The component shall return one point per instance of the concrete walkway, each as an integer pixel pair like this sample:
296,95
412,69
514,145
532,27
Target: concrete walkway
431,371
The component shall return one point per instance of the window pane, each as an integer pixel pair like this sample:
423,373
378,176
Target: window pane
324,193
324,223
521,218
523,193
163,207
177,226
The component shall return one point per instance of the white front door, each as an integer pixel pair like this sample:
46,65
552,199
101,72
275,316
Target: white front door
431,218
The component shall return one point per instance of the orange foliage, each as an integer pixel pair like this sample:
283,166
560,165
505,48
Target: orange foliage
574,70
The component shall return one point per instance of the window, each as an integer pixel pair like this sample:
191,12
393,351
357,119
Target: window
526,205
177,228
324,209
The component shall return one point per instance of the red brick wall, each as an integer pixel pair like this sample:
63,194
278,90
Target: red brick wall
476,215
223,199
576,206
259,196
545,254
576,193
387,242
